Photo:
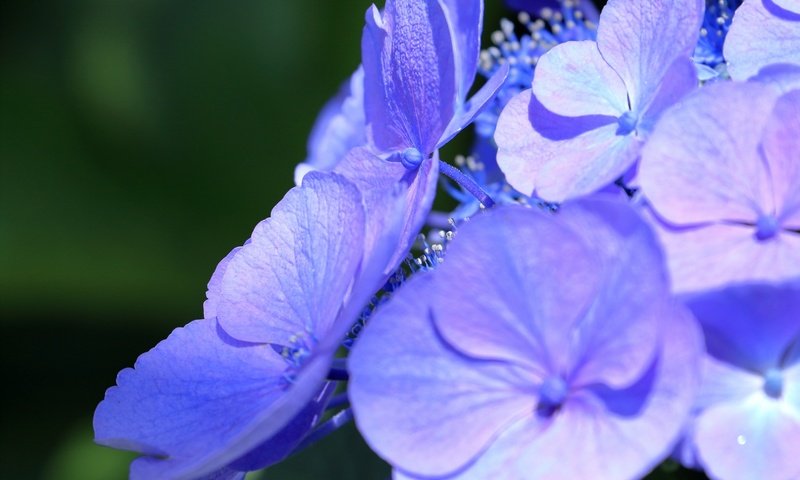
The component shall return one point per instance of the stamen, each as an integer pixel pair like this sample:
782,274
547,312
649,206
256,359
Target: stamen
552,394
466,183
411,158
766,227
773,383
627,123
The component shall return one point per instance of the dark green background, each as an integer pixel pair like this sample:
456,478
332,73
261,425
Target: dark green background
140,140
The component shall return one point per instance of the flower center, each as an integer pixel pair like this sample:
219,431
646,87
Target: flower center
627,123
411,158
773,383
766,227
552,393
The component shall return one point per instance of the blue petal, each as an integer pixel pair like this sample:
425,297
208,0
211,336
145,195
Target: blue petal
289,281
409,75
200,400
465,18
641,39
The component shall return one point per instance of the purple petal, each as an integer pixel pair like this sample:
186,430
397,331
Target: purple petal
758,38
781,147
754,438
714,171
561,157
712,256
382,130
465,18
204,401
587,163
377,178
214,291
571,322
750,326
291,279
679,80
599,429
506,311
409,73
339,127
641,39
792,6
402,377
784,76
475,105
517,141
574,80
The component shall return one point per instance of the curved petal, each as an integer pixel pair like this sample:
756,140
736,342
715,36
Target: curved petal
517,153
712,256
678,81
409,70
492,301
713,172
784,76
595,317
377,179
214,291
475,105
573,80
465,19
202,400
781,147
640,40
755,438
600,430
587,163
413,395
758,38
340,126
291,278
751,325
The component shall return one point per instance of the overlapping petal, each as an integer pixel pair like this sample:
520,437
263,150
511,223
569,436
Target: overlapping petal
409,74
400,371
759,37
291,279
641,39
201,400
714,171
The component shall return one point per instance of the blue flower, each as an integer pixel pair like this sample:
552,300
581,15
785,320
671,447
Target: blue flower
240,389
592,104
721,175
747,423
544,346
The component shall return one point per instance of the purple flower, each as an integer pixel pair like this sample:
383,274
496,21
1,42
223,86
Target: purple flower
593,103
748,420
239,390
763,32
545,345
722,176
420,60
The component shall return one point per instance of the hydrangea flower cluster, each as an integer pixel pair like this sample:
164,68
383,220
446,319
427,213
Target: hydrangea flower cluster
618,284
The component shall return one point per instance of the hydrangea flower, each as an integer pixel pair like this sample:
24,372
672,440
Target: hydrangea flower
748,420
238,390
592,104
708,52
545,346
763,32
722,176
586,7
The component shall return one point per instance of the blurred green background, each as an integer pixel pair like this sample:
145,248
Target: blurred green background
139,142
